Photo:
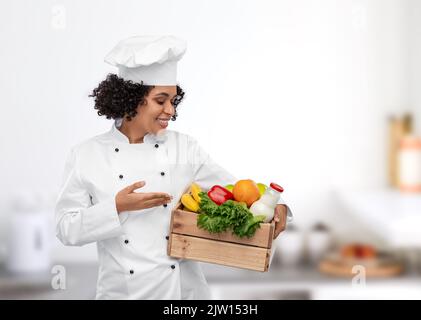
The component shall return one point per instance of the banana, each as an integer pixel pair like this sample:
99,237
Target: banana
195,189
189,203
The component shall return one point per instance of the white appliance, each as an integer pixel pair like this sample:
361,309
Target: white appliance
290,247
29,237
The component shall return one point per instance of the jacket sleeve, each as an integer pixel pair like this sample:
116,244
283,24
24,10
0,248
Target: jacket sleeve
289,212
207,172
77,220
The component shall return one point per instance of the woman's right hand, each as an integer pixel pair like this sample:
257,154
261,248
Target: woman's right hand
128,200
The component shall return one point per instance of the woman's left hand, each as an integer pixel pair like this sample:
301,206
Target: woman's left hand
280,218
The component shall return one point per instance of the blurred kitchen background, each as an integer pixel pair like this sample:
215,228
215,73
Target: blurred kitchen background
321,97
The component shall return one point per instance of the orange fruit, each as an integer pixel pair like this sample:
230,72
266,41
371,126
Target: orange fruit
246,191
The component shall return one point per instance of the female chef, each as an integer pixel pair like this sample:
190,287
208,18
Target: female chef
119,187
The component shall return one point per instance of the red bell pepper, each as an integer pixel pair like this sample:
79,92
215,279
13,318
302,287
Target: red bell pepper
219,194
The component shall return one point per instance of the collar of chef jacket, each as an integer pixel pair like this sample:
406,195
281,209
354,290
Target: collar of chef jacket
148,138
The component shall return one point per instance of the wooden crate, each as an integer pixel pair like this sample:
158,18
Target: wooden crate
187,241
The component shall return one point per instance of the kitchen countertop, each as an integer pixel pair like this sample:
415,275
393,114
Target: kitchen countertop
81,281
304,274
80,284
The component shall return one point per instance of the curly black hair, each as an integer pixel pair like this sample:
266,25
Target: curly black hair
117,98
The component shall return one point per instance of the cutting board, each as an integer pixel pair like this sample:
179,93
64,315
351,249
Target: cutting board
381,266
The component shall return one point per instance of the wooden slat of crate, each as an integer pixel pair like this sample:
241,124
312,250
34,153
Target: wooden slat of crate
224,253
185,222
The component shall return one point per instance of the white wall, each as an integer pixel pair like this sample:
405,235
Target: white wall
414,31
292,91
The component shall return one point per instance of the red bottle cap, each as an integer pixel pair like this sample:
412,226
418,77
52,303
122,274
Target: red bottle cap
277,187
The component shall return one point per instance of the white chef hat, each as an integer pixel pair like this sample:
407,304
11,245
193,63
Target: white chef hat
151,59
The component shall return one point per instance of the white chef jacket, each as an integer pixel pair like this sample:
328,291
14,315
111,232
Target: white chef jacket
132,246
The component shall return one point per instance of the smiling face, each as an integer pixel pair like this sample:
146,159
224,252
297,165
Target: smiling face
156,111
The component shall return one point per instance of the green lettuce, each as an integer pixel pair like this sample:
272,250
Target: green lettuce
231,215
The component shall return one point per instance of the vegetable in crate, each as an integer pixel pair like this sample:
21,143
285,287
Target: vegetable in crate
189,203
262,188
195,190
246,191
219,195
191,200
229,187
230,215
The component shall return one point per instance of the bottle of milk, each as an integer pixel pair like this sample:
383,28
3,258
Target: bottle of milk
266,204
